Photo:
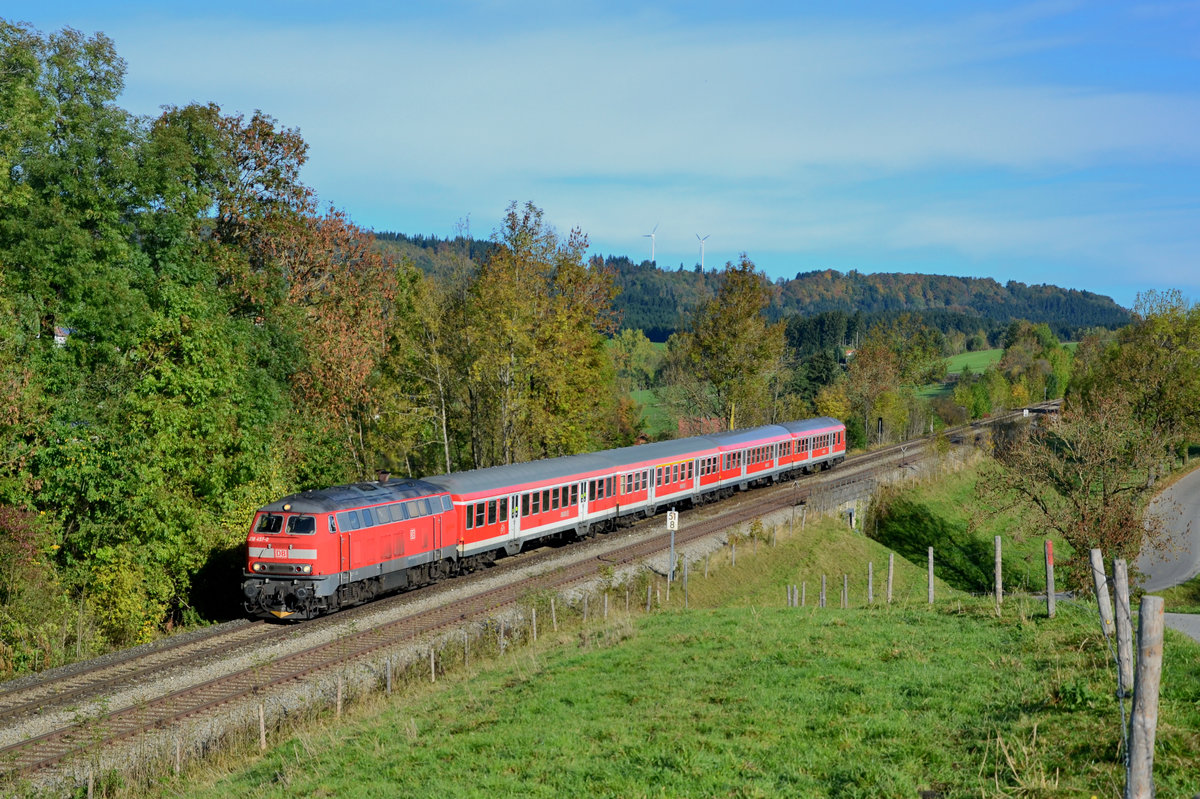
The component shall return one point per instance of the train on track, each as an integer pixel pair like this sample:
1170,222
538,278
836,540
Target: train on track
318,551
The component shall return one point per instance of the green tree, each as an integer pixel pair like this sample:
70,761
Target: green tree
729,365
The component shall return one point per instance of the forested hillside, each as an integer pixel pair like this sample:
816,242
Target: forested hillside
658,302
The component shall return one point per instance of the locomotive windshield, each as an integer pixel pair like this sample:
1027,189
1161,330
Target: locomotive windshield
270,523
296,524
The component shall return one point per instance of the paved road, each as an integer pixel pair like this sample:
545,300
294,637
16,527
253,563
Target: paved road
1183,529
1181,565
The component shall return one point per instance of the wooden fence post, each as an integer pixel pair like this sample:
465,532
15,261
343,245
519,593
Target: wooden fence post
649,588
685,582
533,620
432,667
999,576
891,573
845,590
606,604
870,582
1050,598
339,698
1124,623
387,665
803,592
732,552
585,606
1100,583
1144,722
553,615
931,575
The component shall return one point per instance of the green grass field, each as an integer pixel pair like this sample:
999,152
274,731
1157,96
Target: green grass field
655,416
741,696
978,361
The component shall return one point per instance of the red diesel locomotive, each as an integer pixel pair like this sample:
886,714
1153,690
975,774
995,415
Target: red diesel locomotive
317,551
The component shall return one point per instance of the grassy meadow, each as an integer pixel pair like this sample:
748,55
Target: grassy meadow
738,695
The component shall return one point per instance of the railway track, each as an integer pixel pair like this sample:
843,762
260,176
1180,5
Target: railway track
109,727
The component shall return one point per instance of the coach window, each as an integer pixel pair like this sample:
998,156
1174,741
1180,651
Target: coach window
503,509
491,511
575,493
524,504
480,511
535,506
470,516
554,499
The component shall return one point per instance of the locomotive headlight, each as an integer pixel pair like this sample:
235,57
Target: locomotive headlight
306,568
257,567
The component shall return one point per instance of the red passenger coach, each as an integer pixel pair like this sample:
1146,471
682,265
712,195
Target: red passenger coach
318,551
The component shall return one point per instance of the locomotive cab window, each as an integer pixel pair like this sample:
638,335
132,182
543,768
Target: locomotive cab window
301,525
269,523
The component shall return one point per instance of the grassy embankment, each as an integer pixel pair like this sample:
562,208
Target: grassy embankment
741,696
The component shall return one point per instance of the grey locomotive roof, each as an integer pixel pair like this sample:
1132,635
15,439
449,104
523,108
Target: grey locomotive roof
353,495
809,425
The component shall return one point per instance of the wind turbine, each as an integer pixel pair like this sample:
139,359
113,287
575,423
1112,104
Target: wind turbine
702,249
650,236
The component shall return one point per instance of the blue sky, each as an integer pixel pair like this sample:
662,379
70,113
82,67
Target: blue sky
1044,142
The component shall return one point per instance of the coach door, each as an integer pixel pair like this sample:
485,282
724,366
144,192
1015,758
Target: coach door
514,517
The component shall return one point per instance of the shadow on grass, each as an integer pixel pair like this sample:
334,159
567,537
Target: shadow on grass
910,528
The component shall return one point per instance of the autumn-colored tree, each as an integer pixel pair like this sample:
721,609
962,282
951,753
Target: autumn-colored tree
539,382
1082,475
